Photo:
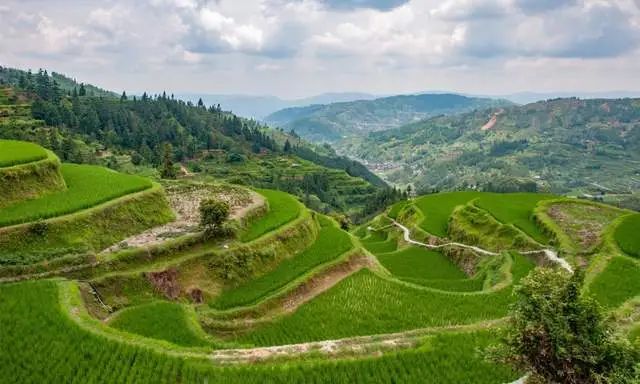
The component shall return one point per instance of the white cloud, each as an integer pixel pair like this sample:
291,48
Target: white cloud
306,46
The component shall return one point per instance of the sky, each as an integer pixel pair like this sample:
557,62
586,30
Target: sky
298,48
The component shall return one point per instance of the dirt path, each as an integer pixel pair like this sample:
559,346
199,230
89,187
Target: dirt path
550,254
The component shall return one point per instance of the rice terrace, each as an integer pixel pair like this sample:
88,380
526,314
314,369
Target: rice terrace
293,297
320,192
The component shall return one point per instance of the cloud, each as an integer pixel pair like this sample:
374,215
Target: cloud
301,45
373,4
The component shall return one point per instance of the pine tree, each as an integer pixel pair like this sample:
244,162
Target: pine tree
287,146
82,91
123,97
167,170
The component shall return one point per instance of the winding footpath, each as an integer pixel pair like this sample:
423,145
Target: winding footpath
550,254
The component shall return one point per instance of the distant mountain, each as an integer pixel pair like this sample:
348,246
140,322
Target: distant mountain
336,121
532,97
562,145
258,107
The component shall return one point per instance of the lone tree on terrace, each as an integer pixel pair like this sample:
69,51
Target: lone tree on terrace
213,213
167,170
559,335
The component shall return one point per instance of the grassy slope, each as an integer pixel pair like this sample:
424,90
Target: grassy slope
86,231
420,263
30,180
282,209
437,208
87,186
626,235
160,320
619,282
41,344
14,152
516,209
366,304
330,243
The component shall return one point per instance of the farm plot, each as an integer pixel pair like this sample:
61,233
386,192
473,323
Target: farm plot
19,152
283,208
516,209
582,223
41,344
330,244
161,320
87,186
626,235
373,245
366,304
619,282
437,208
420,263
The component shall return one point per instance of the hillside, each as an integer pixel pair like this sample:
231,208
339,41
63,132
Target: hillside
292,297
129,134
561,145
333,122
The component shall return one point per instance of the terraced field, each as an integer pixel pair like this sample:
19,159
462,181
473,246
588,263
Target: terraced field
627,235
19,152
330,244
385,309
87,186
283,208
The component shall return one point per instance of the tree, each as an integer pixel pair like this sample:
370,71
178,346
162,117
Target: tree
560,335
82,91
287,146
167,170
213,213
123,97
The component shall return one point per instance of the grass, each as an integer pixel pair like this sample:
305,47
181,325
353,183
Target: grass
330,243
420,263
396,208
19,152
160,320
283,208
626,235
366,304
40,344
516,209
619,282
451,285
87,186
437,208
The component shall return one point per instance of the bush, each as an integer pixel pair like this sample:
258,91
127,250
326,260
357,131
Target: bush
213,213
560,336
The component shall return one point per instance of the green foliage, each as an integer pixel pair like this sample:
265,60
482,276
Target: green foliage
388,245
329,245
560,336
213,213
87,186
420,263
437,208
161,320
366,304
19,152
283,208
627,235
620,281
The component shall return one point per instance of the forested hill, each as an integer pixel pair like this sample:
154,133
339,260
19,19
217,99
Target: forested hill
562,145
128,130
17,77
332,122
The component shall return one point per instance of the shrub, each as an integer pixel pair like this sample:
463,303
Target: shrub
213,213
